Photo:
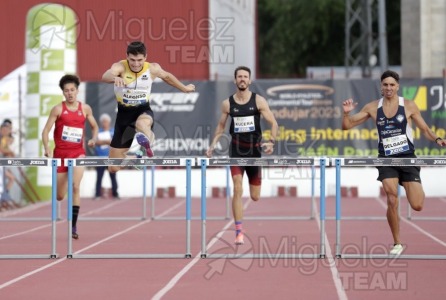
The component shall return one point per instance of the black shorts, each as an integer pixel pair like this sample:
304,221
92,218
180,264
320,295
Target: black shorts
404,174
254,172
125,124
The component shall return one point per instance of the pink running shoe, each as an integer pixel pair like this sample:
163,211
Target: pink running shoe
144,141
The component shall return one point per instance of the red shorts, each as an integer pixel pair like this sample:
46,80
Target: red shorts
67,153
254,173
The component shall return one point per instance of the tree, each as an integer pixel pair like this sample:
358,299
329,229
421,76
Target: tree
295,34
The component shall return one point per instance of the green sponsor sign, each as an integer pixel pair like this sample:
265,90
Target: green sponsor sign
47,102
33,81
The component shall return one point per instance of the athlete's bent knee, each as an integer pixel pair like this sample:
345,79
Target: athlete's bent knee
113,169
417,207
255,198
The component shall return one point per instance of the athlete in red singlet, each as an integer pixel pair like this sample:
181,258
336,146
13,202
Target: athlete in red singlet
69,119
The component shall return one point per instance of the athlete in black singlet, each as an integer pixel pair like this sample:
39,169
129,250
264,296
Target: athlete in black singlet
393,116
245,109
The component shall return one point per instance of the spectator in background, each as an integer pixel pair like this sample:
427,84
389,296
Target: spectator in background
103,149
7,177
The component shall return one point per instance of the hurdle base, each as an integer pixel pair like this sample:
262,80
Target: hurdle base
28,256
389,256
259,256
128,256
277,218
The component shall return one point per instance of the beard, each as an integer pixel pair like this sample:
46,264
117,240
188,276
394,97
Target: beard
242,88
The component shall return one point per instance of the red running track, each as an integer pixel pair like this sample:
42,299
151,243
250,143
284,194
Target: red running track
221,278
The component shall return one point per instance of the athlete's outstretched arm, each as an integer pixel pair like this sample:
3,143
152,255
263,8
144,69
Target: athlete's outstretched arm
113,75
170,79
350,121
421,124
220,126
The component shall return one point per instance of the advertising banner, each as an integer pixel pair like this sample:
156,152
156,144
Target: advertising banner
309,114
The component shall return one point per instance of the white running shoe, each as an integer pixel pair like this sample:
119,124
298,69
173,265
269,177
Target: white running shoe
397,249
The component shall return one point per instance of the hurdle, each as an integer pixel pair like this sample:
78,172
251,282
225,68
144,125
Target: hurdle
227,215
21,162
378,162
421,218
143,162
357,218
37,162
263,162
101,161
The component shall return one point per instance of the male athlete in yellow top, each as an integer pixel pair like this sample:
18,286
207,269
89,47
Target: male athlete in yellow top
133,78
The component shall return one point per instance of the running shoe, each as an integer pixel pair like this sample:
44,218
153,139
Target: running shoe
74,233
397,249
239,239
144,141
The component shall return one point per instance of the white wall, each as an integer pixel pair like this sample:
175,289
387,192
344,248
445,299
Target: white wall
131,181
232,40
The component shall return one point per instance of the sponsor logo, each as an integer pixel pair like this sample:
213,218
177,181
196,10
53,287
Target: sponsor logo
88,162
170,161
353,162
226,161
439,162
396,161
178,102
260,162
37,162
303,161
15,162
242,161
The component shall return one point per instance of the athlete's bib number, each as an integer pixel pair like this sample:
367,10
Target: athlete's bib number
134,97
72,134
244,124
395,144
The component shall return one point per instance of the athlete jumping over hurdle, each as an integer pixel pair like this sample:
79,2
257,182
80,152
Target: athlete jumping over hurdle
395,113
245,109
133,78
69,118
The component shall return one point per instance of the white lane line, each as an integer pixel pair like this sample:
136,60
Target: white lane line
171,284
94,211
26,275
331,262
24,209
384,205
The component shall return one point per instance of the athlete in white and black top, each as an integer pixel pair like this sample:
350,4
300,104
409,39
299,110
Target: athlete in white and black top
393,116
245,109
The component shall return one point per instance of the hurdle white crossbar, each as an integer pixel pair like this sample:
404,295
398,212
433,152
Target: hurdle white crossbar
271,161
37,162
204,162
378,162
140,162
